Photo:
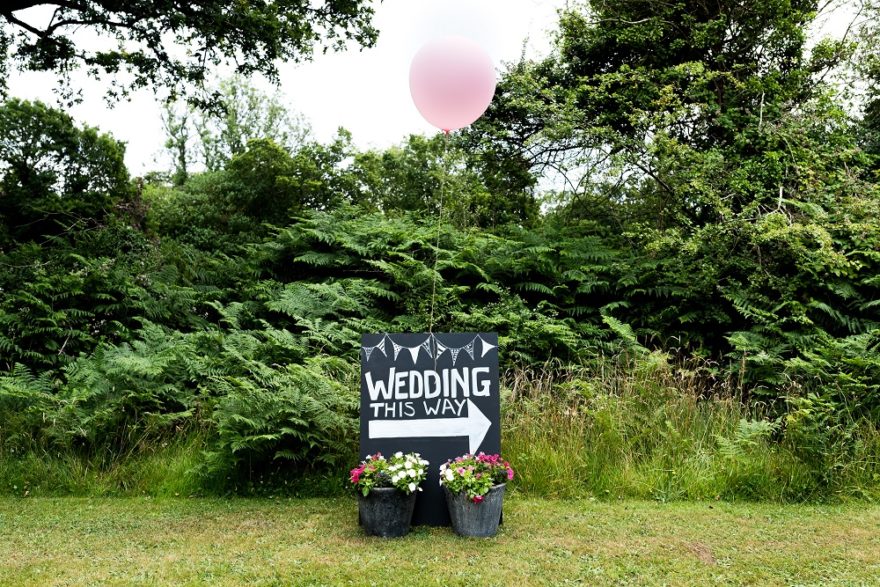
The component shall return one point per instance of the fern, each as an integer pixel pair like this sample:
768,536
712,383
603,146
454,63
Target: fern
626,334
297,414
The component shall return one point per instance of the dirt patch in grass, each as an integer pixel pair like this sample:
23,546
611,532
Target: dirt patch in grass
702,552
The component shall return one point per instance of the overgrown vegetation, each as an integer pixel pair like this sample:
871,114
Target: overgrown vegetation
706,287
644,429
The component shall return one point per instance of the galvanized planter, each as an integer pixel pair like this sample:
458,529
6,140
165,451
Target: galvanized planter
386,511
476,519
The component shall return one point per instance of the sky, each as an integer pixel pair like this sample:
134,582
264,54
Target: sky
365,91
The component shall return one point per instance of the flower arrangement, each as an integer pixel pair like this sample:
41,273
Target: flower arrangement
475,474
401,471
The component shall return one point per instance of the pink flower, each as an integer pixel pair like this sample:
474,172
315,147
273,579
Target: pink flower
460,470
477,498
509,473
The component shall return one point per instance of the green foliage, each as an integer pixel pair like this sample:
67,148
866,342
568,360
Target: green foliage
263,184
54,177
212,136
247,114
867,65
169,468
706,136
301,414
63,298
639,429
437,174
717,229
75,268
483,282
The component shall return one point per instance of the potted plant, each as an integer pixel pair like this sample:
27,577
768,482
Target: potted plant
474,487
387,491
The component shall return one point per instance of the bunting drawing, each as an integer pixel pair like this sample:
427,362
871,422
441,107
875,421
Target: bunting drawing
368,350
432,345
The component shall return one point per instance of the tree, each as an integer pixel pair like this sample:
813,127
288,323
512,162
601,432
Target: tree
627,72
269,184
54,176
178,142
265,184
422,173
240,114
172,43
868,65
73,265
247,114
707,136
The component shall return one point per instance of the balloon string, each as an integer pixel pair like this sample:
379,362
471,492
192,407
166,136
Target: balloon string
443,182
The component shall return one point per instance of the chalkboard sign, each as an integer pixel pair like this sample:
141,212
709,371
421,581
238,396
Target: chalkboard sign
434,394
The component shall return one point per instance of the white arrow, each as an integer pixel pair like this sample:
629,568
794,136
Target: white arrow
475,426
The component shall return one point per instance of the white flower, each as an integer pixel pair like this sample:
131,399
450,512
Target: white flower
411,473
408,465
398,454
449,474
442,467
395,478
412,486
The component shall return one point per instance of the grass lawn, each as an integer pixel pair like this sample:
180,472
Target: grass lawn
142,541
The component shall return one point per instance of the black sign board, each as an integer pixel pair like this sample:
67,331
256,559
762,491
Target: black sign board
434,394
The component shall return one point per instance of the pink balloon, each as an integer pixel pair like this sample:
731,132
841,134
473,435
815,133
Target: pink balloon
452,82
